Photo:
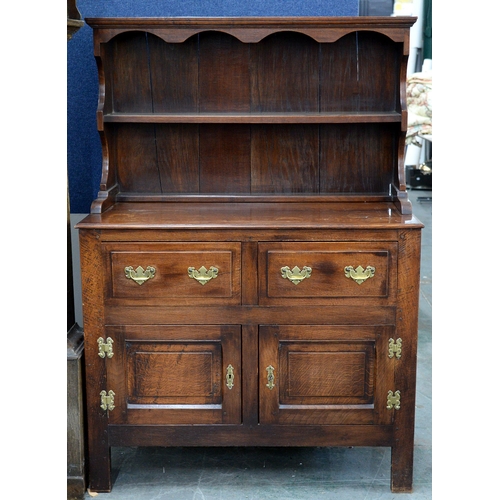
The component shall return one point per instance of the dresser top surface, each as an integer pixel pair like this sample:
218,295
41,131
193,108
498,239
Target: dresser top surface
254,21
299,215
253,29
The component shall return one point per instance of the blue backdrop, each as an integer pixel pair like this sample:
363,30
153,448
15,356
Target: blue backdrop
84,147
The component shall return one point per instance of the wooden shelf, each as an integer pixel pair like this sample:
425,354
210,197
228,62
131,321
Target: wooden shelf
220,215
338,117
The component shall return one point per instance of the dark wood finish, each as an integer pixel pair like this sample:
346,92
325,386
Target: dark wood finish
248,435
405,373
325,375
91,263
175,374
302,71
225,159
75,22
327,283
352,70
291,60
285,159
171,282
76,438
224,75
249,145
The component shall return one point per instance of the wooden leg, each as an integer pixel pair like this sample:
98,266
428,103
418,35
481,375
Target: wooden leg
99,465
406,367
402,465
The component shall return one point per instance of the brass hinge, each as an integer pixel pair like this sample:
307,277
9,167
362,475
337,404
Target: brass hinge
107,400
105,347
395,348
393,400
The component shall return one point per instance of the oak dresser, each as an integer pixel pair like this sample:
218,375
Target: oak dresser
250,266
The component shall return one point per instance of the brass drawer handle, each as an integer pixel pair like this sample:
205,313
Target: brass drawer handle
201,275
140,275
295,275
359,275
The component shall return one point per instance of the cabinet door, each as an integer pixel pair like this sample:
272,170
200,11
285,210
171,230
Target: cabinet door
325,374
175,374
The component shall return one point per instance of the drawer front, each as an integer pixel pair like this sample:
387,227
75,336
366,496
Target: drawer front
327,272
175,273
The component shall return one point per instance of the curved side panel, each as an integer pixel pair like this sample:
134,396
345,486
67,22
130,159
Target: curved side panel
403,202
105,197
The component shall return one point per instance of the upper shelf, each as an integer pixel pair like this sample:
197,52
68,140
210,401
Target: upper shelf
286,78
354,117
162,79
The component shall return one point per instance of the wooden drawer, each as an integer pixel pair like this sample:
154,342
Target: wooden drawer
174,273
327,272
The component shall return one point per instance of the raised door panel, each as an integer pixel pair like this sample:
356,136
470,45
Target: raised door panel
175,374
174,273
316,273
313,375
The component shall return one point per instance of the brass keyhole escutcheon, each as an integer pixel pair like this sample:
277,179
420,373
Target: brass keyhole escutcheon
140,275
270,377
230,377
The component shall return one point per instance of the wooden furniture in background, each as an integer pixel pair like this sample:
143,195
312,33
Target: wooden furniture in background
76,472
250,268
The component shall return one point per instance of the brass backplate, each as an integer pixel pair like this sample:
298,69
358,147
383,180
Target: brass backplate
296,275
140,275
359,275
202,275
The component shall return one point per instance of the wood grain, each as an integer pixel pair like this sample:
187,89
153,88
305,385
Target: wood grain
251,144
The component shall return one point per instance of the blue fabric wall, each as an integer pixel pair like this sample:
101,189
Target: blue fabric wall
84,147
